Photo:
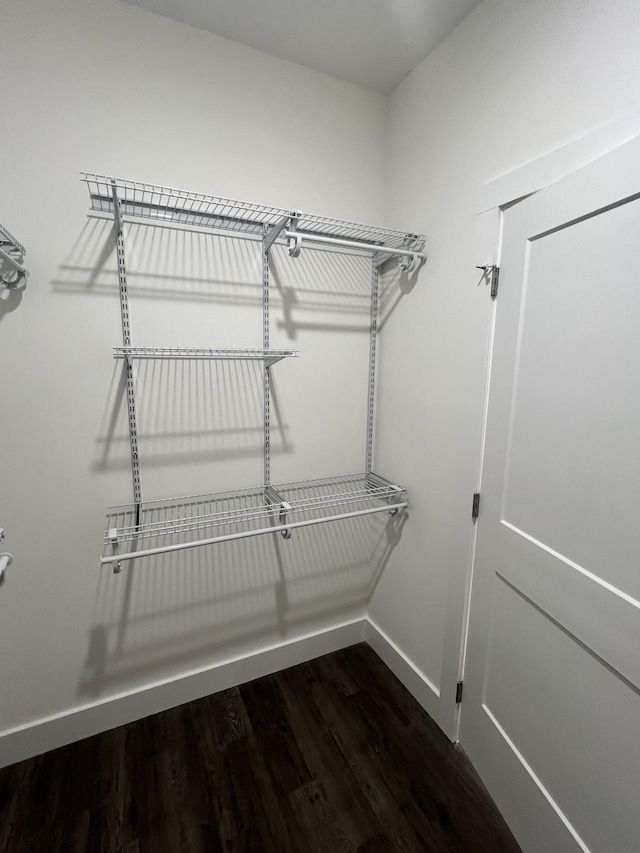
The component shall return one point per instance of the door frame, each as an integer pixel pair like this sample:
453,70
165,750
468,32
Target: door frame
493,197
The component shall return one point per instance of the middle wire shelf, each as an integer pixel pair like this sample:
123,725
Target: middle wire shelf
189,522
269,356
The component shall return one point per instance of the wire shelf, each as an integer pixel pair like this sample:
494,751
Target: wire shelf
7,238
13,275
151,201
197,519
270,356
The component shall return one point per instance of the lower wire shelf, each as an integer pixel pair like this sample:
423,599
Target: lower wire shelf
158,527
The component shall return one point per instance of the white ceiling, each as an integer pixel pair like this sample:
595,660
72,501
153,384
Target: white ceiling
374,43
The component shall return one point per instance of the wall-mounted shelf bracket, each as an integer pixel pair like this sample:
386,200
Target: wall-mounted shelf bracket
274,497
271,234
393,494
411,263
112,539
294,239
13,274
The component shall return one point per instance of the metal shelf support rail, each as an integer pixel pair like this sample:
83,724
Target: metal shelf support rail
13,274
268,238
126,341
371,393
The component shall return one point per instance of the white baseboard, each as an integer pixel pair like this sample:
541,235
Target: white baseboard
84,721
42,735
416,682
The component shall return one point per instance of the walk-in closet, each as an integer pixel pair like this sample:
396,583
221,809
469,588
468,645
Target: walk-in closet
319,391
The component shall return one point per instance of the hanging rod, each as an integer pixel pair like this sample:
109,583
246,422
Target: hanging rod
295,239
351,244
116,559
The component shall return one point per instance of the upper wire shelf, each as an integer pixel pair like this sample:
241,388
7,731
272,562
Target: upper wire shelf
270,356
150,201
13,275
197,520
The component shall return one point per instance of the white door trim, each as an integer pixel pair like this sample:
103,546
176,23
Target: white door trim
492,197
556,164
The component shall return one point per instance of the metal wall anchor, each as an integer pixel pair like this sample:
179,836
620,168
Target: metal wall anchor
411,264
284,509
294,244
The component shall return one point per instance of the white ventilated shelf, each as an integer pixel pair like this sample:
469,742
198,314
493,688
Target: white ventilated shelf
270,356
144,528
179,523
150,201
13,275
8,239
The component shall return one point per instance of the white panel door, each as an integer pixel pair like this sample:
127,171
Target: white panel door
551,707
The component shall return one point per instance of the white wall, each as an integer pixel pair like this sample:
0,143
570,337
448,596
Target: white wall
107,87
516,79
99,85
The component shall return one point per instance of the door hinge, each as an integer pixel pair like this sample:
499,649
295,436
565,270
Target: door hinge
495,279
459,686
475,508
492,272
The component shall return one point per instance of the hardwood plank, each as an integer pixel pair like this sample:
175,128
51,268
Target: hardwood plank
229,717
257,814
324,757
410,826
379,844
331,755
320,823
266,710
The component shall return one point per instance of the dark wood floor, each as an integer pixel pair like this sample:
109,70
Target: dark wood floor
332,755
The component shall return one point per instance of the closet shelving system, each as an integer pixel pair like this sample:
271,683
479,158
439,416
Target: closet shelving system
146,528
13,275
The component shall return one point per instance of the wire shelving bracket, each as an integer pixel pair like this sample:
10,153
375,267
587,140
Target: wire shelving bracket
13,274
147,528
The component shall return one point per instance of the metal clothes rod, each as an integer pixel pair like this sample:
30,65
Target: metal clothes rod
150,552
351,244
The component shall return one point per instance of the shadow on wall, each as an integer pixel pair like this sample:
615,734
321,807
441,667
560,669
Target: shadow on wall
394,286
189,412
182,610
9,301
163,262
187,607
171,263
